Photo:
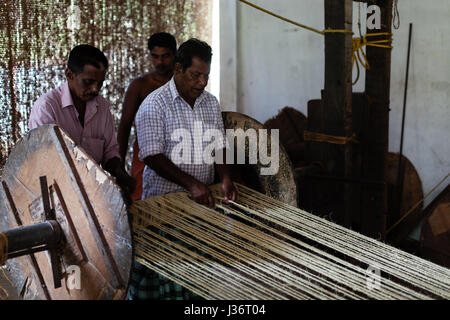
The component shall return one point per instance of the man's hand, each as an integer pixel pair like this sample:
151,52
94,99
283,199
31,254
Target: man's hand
125,182
229,190
201,194
168,170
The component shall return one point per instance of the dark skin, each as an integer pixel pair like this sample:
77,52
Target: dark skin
190,84
163,61
85,86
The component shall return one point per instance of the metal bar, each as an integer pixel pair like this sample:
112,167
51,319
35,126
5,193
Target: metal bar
27,251
26,237
400,164
45,198
53,242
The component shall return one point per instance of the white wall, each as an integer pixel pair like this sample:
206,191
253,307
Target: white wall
427,122
228,54
279,64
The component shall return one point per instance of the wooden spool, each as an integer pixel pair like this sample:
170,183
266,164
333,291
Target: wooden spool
281,186
435,236
411,194
89,208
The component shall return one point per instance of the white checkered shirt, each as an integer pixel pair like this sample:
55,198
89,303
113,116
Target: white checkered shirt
161,113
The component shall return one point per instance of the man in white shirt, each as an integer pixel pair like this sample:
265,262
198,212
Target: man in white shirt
180,106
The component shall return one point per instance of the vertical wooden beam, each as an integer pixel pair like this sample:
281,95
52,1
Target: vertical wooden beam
374,199
337,101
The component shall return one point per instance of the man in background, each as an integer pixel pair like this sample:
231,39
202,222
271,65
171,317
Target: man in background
162,48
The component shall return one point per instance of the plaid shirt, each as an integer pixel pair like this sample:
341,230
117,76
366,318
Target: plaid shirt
161,115
164,113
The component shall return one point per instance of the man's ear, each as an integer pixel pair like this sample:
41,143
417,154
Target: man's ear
69,74
178,68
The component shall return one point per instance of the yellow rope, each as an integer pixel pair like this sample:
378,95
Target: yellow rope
359,43
358,55
3,248
296,23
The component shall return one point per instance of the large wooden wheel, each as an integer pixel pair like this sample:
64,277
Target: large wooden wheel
89,208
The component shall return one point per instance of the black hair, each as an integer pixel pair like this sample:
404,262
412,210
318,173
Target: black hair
162,39
193,48
86,54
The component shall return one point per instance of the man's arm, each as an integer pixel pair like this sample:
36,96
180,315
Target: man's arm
164,167
127,183
41,114
130,107
111,160
228,188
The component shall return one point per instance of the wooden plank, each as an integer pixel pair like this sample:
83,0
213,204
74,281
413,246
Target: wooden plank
374,199
337,102
359,113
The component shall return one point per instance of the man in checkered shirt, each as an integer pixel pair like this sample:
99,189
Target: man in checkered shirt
179,113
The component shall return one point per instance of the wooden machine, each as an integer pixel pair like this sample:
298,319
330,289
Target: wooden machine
61,212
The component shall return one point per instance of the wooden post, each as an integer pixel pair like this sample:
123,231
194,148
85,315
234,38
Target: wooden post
374,200
337,100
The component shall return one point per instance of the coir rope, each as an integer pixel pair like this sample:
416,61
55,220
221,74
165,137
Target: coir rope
261,248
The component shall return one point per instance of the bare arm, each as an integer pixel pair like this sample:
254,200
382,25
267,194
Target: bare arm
164,167
228,188
131,105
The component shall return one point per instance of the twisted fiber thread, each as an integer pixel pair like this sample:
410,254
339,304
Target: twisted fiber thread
239,252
